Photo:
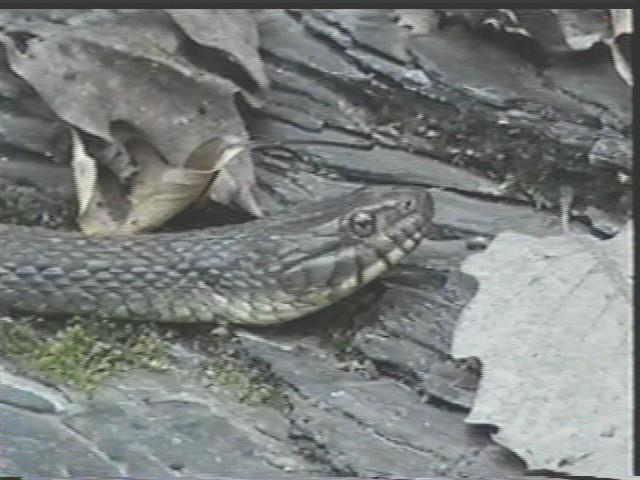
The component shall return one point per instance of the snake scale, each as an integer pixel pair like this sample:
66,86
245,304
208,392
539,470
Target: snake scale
265,271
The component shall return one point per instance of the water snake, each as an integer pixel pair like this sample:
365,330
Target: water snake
265,271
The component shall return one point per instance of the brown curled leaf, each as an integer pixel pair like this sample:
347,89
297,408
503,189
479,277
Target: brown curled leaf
159,190
163,190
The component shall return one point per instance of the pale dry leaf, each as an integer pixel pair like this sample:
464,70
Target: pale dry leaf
127,67
163,190
232,31
85,173
152,206
419,21
585,27
552,325
621,21
230,187
92,218
620,63
101,69
582,28
622,27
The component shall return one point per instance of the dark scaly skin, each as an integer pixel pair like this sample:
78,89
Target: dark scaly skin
266,271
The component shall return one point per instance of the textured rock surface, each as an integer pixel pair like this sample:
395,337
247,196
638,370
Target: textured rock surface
368,386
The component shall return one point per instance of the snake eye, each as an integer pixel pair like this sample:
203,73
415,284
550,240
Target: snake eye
362,224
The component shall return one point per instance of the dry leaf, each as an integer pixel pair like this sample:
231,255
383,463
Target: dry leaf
419,21
159,190
551,324
620,43
92,217
585,27
85,173
621,21
232,31
582,28
163,190
99,70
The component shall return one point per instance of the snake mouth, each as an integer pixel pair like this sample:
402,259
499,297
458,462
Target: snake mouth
376,257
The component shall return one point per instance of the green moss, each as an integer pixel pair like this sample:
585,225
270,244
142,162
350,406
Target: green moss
247,386
17,338
75,356
267,395
85,351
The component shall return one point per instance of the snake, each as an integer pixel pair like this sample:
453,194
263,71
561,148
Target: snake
262,272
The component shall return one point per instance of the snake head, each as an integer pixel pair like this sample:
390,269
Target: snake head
322,252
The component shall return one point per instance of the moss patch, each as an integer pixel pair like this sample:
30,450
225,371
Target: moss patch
248,386
83,352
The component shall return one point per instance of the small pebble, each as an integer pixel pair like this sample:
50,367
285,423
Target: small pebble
477,243
606,230
221,331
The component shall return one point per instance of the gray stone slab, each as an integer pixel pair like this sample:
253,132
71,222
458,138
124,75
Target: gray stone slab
33,444
365,426
418,109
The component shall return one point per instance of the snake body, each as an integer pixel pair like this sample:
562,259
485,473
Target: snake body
262,272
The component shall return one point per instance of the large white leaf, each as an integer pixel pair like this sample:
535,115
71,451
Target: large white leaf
552,324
